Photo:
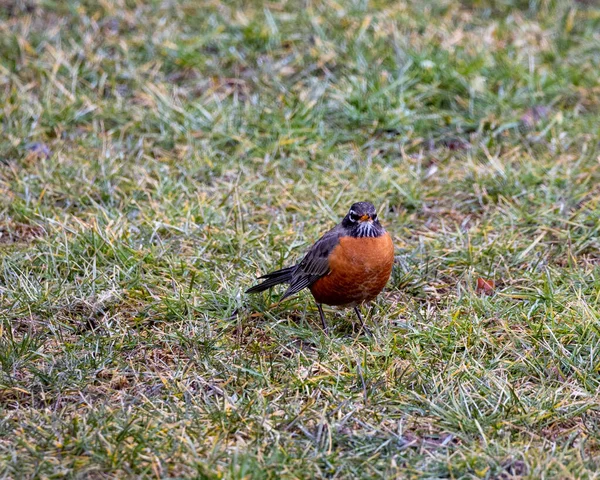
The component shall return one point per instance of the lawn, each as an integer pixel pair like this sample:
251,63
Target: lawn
156,157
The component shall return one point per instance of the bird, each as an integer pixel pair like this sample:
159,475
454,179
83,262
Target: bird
347,267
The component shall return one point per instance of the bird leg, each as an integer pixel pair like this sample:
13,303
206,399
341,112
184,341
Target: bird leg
364,327
320,307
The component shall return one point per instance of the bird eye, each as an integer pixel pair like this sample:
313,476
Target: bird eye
354,217
374,217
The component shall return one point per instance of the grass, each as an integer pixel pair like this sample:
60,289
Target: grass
158,156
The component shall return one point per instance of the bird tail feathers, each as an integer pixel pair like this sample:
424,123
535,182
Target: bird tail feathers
274,278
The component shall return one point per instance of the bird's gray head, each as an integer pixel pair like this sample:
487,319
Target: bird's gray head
361,221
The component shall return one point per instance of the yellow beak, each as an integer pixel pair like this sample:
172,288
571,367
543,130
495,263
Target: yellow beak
364,218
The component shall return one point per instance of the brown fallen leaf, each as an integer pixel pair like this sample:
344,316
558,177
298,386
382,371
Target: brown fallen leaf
485,286
19,233
119,382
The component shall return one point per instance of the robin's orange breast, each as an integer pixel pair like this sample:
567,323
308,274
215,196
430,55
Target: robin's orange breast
360,268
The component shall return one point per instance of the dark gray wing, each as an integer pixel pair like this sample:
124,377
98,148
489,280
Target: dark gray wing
315,263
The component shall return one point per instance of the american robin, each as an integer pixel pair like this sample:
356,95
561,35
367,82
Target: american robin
346,267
